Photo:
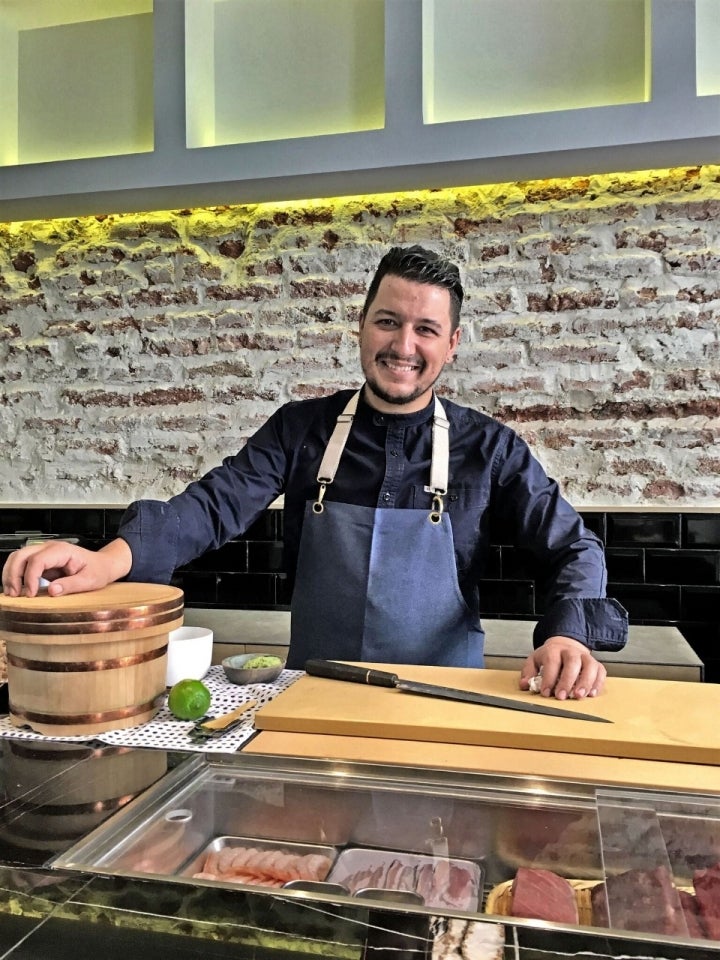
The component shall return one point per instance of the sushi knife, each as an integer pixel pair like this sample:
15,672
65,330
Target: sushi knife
335,670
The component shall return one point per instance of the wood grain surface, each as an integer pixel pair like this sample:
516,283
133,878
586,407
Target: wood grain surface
661,720
124,597
614,771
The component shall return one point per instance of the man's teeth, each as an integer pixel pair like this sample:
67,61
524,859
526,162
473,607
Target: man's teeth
394,365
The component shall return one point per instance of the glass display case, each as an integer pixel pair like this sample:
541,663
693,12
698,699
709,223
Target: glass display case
522,860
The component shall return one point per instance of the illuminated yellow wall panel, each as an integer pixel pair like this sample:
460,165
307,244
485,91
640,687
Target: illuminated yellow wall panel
76,79
707,44
501,58
280,69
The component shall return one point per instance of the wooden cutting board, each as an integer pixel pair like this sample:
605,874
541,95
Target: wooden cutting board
652,719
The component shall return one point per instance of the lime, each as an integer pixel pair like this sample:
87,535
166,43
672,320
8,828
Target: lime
188,700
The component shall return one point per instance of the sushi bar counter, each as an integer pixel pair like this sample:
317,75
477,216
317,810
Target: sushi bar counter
349,820
121,850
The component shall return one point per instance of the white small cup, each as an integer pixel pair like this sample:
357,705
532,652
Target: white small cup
189,654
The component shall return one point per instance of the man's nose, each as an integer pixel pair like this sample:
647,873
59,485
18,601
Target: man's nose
404,341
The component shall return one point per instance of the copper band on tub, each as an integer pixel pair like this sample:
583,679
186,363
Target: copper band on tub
129,612
77,718
85,666
67,628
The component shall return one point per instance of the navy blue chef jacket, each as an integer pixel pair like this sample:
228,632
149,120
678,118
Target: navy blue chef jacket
386,464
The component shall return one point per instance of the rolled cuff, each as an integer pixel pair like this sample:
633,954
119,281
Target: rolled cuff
151,529
599,623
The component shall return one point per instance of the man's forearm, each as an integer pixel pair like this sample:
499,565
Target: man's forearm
118,556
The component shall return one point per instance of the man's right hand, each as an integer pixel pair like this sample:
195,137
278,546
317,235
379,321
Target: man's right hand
68,567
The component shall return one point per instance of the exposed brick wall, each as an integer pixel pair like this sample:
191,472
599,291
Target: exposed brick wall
137,350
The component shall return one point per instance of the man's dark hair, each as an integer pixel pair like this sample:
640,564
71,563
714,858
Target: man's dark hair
422,266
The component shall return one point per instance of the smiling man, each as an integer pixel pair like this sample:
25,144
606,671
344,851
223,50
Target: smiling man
408,333
388,497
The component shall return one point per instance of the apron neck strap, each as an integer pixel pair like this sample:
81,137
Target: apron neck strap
439,464
334,449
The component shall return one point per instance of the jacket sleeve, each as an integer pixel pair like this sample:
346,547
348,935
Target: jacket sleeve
163,536
570,556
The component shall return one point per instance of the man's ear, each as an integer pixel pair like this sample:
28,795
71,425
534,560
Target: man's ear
453,345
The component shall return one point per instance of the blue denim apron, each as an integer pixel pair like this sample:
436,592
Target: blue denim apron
381,584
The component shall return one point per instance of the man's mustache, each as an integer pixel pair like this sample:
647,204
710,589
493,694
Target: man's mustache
398,358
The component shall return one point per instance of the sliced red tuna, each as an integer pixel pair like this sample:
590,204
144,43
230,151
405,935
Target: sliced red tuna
543,895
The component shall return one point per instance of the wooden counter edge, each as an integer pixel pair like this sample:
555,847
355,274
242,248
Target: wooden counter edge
616,771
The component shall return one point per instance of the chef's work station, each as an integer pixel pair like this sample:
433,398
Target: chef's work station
389,491
442,811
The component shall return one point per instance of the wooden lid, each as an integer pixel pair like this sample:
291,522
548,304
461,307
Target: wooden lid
110,608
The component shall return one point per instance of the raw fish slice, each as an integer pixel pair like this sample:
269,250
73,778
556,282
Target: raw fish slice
226,857
459,889
691,912
253,862
645,901
543,895
707,891
406,880
317,866
394,875
283,866
425,884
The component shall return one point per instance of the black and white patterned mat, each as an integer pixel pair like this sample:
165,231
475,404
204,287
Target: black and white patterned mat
164,732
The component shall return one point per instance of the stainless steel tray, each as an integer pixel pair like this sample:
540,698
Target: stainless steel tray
264,863
441,882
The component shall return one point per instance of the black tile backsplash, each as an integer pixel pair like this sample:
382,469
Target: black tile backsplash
499,596
625,564
701,530
648,529
701,604
77,522
266,557
517,564
683,566
201,589
248,589
15,520
231,556
663,567
648,603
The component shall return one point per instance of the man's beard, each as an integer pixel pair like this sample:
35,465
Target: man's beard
393,398
397,401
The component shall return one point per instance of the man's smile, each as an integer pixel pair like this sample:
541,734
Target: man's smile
397,364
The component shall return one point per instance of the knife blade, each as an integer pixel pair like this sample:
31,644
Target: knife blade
336,670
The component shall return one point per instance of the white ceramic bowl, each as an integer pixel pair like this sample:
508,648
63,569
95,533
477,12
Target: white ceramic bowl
189,654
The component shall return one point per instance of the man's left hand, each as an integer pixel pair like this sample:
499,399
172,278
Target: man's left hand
568,669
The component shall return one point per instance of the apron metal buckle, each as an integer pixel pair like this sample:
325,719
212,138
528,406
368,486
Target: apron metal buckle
437,507
318,506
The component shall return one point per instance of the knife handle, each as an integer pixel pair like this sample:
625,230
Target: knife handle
334,670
